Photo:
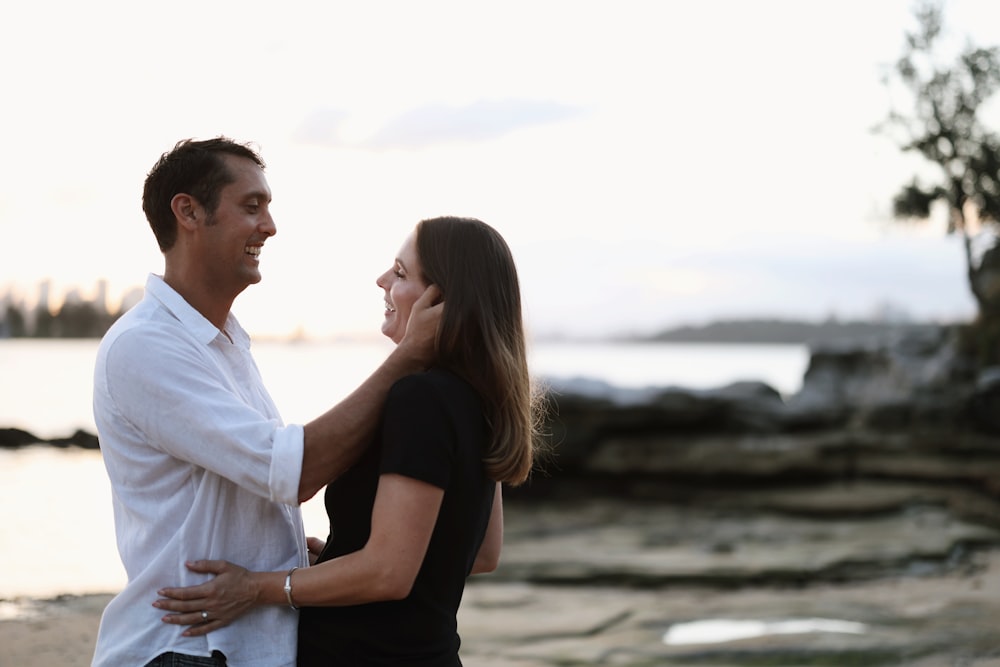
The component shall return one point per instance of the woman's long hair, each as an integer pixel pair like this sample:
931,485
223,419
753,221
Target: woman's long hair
481,335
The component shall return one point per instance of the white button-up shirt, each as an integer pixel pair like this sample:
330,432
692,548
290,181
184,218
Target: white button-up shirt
201,466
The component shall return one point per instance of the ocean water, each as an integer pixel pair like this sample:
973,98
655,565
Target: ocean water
56,533
45,385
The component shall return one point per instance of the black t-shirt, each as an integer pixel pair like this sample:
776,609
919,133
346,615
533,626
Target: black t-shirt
433,429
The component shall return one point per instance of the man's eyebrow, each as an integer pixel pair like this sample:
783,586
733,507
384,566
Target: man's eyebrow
258,194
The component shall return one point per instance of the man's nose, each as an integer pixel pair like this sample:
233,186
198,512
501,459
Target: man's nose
267,225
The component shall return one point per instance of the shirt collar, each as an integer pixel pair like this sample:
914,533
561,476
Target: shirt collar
202,330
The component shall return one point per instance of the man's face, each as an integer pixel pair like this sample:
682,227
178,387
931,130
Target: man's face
235,232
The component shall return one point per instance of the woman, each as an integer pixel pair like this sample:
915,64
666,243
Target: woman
422,509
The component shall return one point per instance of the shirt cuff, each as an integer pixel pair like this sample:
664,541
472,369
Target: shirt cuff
286,464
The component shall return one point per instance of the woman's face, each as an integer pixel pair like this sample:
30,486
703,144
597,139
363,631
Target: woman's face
403,284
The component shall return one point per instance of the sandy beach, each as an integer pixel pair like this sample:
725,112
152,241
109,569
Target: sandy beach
45,633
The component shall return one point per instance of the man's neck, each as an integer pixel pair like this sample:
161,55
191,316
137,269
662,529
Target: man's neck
212,306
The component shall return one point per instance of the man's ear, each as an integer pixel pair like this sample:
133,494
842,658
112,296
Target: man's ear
186,210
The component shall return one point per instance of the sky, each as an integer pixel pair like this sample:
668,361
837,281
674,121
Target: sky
650,163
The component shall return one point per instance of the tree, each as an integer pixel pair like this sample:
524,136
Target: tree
14,322
945,128
79,320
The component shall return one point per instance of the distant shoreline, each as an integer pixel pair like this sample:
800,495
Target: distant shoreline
732,331
785,332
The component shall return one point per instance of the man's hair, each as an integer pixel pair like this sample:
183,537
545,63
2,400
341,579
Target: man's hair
481,336
196,168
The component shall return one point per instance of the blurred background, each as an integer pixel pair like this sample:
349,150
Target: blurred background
757,252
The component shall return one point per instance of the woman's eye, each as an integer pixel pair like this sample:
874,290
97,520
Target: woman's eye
398,273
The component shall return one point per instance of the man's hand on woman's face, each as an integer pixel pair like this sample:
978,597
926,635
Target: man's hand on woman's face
422,327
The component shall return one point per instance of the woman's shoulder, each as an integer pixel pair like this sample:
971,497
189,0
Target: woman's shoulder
434,382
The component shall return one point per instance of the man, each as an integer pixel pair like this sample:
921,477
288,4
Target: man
198,457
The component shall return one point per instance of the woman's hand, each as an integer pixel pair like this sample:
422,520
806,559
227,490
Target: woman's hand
315,546
213,604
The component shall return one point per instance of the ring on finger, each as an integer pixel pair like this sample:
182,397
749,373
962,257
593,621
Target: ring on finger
204,615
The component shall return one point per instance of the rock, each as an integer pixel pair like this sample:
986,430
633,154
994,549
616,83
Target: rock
868,499
872,573
985,400
15,437
900,408
79,438
753,407
913,378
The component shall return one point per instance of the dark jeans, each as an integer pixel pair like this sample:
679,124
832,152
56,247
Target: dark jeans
217,659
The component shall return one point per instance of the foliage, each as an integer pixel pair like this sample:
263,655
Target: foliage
73,320
979,341
944,127
14,323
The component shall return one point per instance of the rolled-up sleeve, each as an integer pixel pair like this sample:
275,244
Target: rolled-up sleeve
286,464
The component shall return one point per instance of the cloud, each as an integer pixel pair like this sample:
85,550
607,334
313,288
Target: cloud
433,125
321,127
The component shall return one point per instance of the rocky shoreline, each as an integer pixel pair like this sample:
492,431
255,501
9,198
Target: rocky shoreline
897,578
856,522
